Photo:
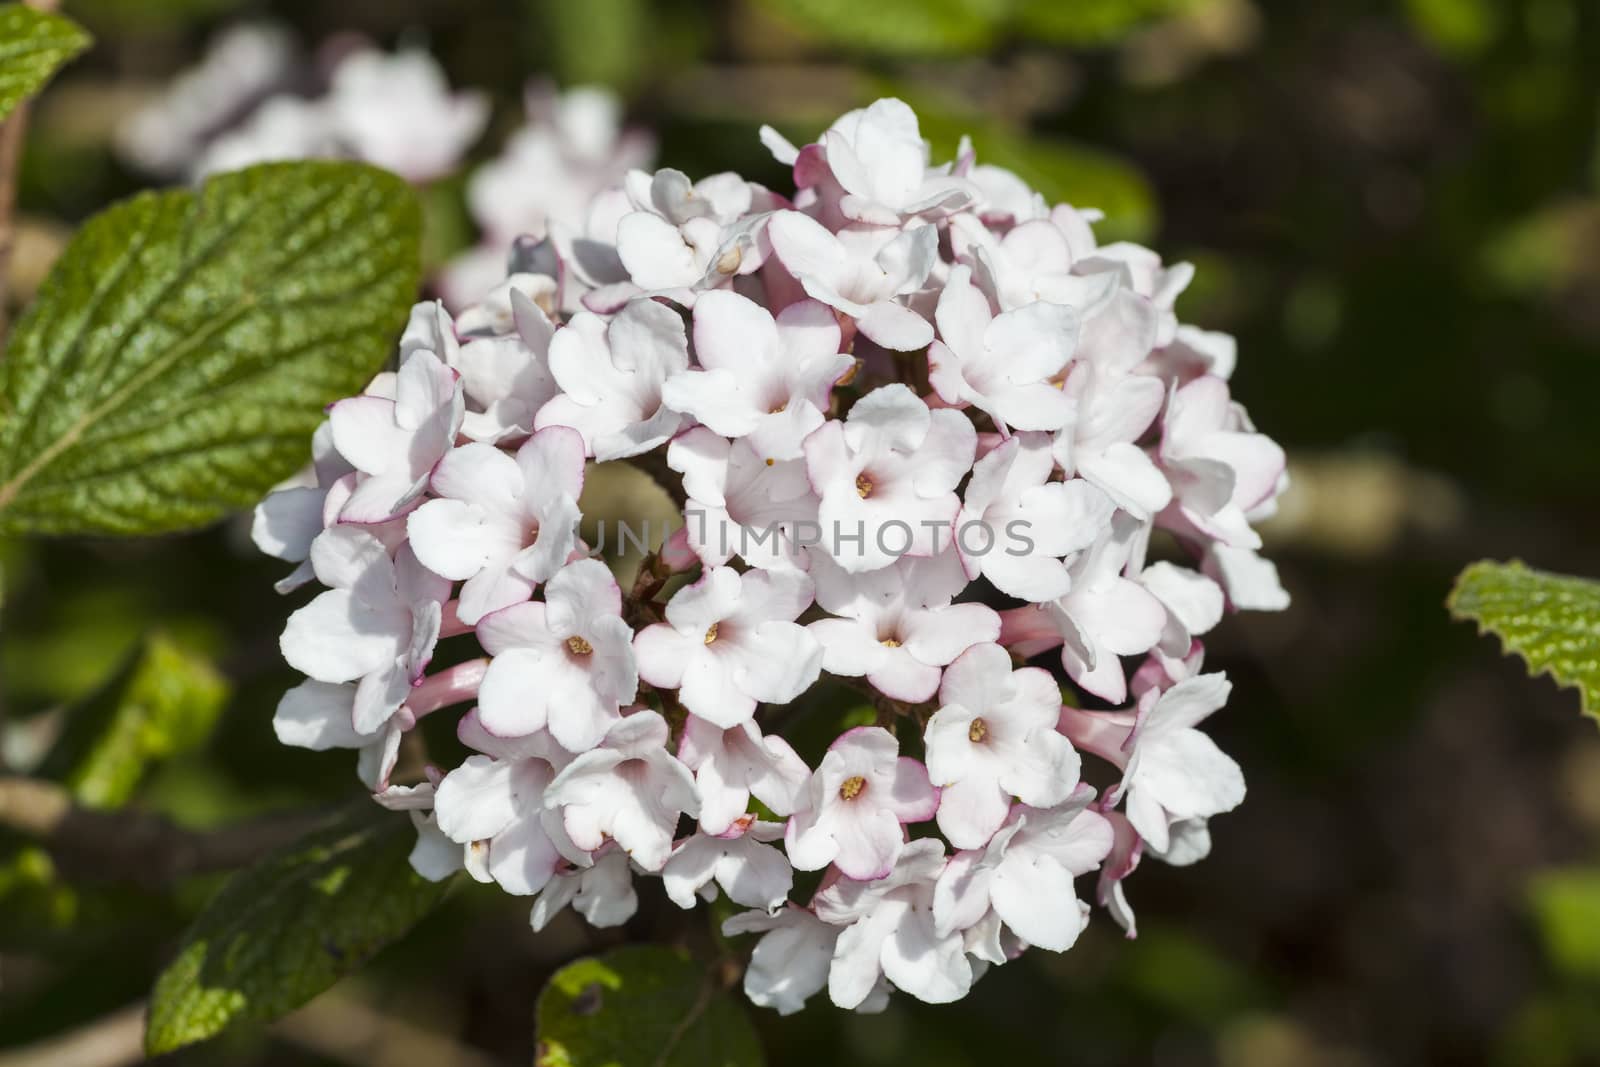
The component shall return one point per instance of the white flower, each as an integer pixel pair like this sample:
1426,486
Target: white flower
289,519
861,272
565,664
685,234
1016,524
791,960
852,808
397,112
753,873
763,378
377,623
732,765
501,524
496,808
890,931
321,715
611,375
741,504
630,790
506,377
1104,616
1026,874
1002,365
1193,603
730,642
1219,468
603,894
993,738
1250,581
897,626
394,444
887,476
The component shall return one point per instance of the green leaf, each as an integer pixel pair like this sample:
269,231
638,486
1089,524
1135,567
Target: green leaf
1566,906
1091,22
163,701
901,27
1551,620
33,46
641,1006
289,927
182,350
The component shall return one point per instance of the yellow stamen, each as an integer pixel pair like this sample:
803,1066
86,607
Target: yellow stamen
977,731
890,642
852,787
578,646
863,486
711,633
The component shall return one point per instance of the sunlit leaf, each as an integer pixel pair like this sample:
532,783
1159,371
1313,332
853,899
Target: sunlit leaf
289,927
1551,620
641,1006
162,702
183,349
33,46
1566,906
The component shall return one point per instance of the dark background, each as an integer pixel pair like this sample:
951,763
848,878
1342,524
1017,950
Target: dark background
1392,205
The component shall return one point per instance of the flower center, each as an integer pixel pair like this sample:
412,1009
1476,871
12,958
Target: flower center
578,646
711,632
729,261
977,731
783,405
863,486
852,787
890,642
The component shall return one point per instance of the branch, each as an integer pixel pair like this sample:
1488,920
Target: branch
112,1041
132,846
12,134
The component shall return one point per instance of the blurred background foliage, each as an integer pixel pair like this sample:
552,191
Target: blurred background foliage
1394,205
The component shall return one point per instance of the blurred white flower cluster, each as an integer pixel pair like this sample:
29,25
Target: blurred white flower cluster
929,438
239,107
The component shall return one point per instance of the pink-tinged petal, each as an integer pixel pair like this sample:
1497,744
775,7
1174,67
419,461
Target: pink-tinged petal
579,593
522,858
1038,406
476,800
661,654
654,252
911,798
937,636
869,840
1035,341
849,647
962,315
519,626
287,521
513,698
734,333
495,587
901,676
1125,473
719,398
807,249
945,456
481,474
932,969
857,957
1036,899
337,638
366,435
345,557
894,326
551,462
456,539
971,810
317,715
710,692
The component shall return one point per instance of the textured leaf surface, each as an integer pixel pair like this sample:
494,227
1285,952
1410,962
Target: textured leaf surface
1551,620
641,1006
33,46
163,701
284,930
184,347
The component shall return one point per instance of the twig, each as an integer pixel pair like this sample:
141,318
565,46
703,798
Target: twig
131,846
12,134
111,1041
343,1026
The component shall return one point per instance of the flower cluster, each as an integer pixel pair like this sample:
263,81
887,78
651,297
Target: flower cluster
238,107
928,437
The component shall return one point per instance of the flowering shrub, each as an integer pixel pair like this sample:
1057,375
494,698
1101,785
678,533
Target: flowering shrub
904,394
